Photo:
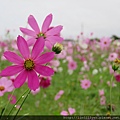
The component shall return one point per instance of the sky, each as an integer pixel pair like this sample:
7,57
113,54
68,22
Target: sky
102,17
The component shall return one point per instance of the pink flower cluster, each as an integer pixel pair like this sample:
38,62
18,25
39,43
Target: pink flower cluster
33,63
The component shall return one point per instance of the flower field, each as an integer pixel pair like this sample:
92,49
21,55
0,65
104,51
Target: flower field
44,78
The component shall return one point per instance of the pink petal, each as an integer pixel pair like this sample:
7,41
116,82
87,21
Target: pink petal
33,23
38,47
71,110
49,44
31,41
55,39
1,93
23,47
46,23
28,32
33,81
57,97
13,57
54,31
44,70
20,79
11,88
64,113
11,70
61,92
45,58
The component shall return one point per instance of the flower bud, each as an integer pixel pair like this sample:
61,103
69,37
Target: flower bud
57,48
115,67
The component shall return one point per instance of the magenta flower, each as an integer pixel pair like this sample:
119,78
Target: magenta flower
51,35
45,81
29,64
5,86
117,77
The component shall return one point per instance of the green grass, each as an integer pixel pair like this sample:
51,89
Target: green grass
86,102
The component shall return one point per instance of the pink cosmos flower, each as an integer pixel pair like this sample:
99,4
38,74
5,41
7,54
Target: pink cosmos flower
72,65
5,85
112,56
70,44
105,42
103,100
29,64
70,51
50,35
12,99
117,77
101,92
69,58
45,81
55,63
85,84
70,111
58,95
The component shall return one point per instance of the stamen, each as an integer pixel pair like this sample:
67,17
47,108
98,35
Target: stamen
105,42
2,88
41,35
29,64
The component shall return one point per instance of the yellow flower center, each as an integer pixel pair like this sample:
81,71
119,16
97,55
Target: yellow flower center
41,35
2,88
117,61
29,64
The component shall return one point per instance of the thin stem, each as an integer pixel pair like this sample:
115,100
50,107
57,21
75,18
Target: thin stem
7,104
17,101
111,94
22,104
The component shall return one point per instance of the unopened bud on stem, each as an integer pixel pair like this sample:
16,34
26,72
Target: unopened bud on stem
57,48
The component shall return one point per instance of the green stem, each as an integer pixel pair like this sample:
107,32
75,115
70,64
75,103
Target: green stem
111,94
7,104
22,104
17,101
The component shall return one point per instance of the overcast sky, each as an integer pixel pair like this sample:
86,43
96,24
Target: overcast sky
102,17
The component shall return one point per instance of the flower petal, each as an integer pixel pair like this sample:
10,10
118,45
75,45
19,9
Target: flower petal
46,23
20,79
45,58
23,47
13,57
33,81
64,113
55,39
38,47
11,70
31,41
33,23
54,31
49,44
28,32
44,70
